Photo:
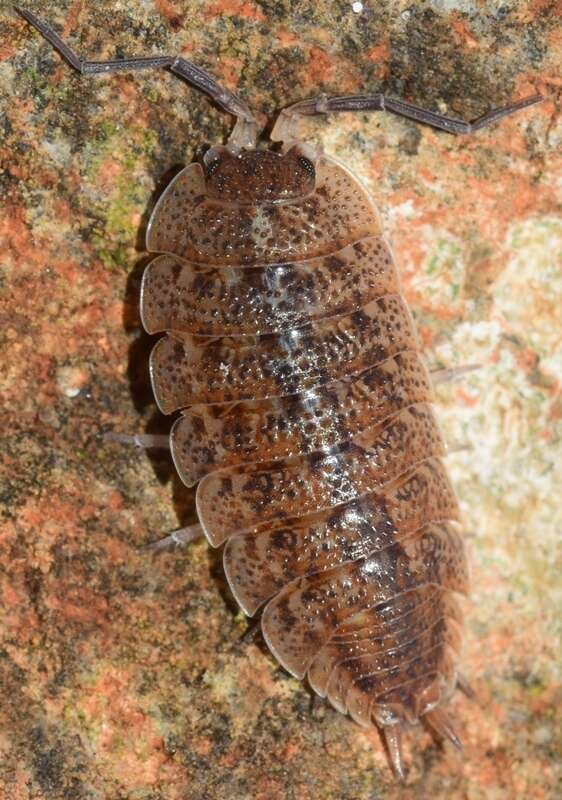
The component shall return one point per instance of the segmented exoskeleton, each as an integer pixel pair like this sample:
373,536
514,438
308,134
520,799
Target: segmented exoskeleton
306,415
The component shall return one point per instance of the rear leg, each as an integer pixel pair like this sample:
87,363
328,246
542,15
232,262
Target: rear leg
466,688
149,441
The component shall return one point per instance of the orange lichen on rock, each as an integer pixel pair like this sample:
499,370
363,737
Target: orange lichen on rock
462,31
238,8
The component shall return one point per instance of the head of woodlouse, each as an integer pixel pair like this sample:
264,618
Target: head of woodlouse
264,176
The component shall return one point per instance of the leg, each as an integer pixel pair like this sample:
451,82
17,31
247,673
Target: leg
253,631
285,128
144,441
445,375
245,131
176,538
465,687
317,708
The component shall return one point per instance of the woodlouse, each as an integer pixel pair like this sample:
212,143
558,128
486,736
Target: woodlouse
306,417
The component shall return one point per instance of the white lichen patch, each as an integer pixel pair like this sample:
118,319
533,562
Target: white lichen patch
506,434
504,423
57,149
465,6
527,294
71,380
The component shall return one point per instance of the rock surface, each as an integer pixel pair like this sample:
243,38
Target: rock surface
125,675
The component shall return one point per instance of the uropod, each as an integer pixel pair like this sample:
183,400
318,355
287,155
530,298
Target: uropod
305,409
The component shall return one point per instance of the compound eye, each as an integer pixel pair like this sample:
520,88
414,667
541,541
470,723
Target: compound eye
307,165
214,157
212,166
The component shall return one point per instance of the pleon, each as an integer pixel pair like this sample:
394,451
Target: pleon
301,618
383,652
350,641
431,676
376,671
358,706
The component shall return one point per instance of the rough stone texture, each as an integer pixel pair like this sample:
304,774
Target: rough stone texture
125,675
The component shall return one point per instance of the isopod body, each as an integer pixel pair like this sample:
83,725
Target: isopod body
306,415
306,422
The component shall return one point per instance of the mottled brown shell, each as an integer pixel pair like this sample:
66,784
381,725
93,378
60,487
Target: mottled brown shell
306,421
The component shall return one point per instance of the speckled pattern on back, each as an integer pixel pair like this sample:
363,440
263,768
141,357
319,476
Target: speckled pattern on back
265,298
209,437
189,224
307,423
